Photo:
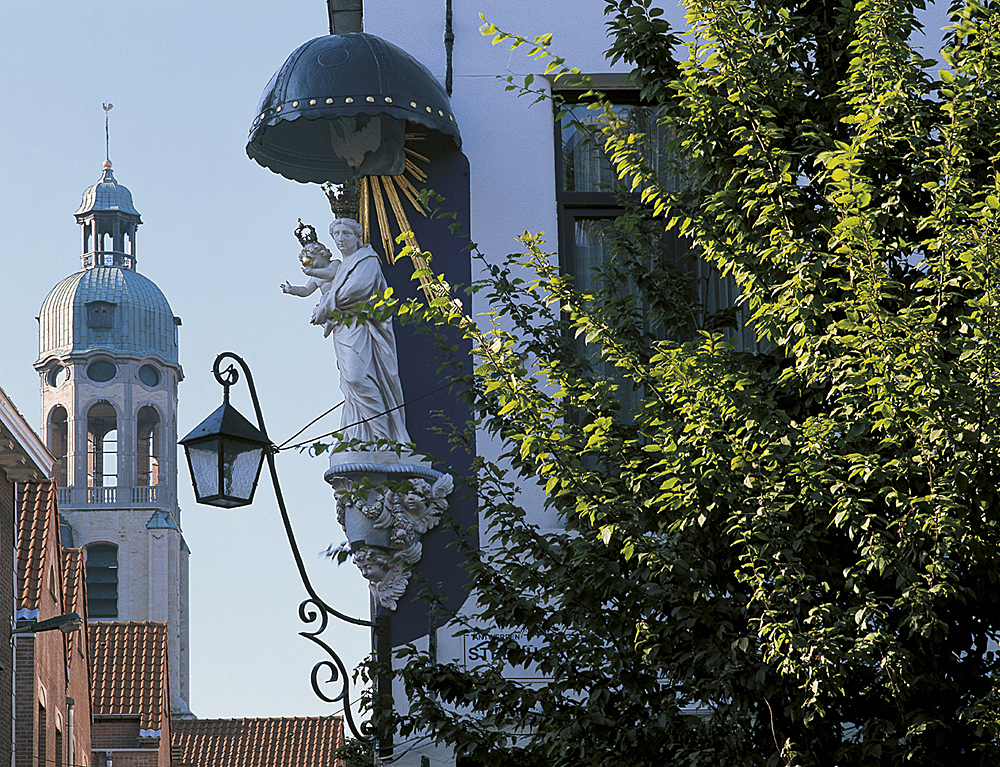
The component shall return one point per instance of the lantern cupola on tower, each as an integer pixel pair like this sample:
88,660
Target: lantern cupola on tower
108,305
109,220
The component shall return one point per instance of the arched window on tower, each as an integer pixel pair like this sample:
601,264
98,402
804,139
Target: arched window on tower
148,447
58,439
102,446
102,581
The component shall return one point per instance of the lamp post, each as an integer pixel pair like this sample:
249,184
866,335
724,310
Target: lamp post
225,453
67,624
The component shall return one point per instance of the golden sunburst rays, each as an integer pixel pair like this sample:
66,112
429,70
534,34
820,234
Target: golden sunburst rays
386,195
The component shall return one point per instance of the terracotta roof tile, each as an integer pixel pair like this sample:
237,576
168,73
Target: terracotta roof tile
289,742
74,590
38,518
129,671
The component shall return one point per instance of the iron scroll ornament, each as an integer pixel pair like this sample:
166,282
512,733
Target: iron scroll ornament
314,608
309,611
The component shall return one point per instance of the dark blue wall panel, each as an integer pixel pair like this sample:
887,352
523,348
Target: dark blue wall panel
440,571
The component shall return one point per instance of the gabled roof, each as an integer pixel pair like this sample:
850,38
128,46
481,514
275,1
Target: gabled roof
129,672
287,742
23,457
38,523
74,592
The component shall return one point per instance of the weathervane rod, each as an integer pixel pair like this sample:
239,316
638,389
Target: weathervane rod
107,134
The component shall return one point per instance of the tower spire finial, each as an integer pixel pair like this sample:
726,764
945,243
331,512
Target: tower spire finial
108,106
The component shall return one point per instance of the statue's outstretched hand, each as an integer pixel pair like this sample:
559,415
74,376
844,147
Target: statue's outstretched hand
286,287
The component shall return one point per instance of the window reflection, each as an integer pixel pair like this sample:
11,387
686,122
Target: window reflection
586,168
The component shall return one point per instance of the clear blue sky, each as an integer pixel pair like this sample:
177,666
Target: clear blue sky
217,237
184,78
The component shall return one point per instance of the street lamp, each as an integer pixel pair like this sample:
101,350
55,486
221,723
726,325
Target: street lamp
225,453
67,624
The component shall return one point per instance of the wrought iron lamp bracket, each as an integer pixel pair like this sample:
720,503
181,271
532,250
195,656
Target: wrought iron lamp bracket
314,608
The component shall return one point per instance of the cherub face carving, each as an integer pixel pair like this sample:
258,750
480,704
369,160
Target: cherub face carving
373,565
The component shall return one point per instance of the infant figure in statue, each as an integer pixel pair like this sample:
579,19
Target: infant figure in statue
319,265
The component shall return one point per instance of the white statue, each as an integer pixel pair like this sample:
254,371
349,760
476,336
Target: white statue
366,351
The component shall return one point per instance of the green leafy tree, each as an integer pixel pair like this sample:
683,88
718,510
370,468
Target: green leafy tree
354,753
788,555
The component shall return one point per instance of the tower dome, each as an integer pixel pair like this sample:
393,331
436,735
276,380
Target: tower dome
109,371
107,308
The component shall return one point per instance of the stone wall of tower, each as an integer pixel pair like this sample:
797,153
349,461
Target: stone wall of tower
185,624
126,392
126,529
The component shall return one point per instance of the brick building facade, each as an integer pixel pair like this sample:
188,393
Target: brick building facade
52,679
7,581
23,460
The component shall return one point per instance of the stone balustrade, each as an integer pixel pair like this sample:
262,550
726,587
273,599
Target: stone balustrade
114,497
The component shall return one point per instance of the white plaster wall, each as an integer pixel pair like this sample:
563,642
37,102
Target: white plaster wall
511,148
577,28
509,141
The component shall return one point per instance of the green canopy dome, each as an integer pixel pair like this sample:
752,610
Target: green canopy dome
107,194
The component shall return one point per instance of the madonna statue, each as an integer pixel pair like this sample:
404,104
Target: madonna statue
366,351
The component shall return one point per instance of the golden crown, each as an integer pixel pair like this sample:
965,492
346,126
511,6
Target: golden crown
345,200
305,233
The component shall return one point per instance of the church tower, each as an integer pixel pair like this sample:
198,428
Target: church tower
109,374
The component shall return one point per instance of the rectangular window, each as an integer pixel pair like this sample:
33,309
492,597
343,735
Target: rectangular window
591,197
102,581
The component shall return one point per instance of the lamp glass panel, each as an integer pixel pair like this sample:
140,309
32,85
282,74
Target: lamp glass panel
204,460
240,466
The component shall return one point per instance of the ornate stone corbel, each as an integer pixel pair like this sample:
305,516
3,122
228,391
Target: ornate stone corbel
384,526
